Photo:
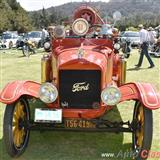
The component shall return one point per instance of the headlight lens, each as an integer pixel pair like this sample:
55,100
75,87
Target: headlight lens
117,46
47,45
111,95
48,93
59,32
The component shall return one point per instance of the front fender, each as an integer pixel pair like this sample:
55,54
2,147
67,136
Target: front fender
144,92
16,89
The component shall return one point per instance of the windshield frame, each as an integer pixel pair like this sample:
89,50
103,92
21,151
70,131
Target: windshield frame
130,34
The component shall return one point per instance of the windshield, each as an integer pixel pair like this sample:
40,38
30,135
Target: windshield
130,34
6,36
34,35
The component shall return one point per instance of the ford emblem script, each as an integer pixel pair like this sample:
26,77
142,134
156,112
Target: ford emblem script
78,87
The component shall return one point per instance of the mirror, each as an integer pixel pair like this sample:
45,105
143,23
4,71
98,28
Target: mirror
117,15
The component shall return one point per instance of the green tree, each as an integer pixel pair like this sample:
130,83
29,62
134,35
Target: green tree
44,18
13,17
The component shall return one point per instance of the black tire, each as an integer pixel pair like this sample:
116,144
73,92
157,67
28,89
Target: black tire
143,120
16,135
39,45
126,55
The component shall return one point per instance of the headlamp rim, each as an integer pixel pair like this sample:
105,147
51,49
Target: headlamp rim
109,87
49,46
53,87
115,47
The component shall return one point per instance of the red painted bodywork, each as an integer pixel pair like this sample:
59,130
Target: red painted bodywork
89,14
59,45
97,54
144,92
16,89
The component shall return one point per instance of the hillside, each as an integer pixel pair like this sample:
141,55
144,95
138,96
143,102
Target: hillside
133,12
127,7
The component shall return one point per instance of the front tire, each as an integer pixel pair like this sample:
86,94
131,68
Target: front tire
127,55
15,133
142,135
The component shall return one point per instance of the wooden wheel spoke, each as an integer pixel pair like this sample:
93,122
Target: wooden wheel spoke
139,136
17,113
18,134
22,113
14,135
140,130
21,136
15,117
14,123
18,139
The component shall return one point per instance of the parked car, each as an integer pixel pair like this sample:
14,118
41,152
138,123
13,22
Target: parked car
20,42
1,42
9,39
154,49
81,79
34,36
131,36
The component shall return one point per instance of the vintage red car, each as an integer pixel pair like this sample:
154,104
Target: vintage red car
83,77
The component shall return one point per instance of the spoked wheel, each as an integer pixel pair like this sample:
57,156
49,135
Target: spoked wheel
16,135
26,51
142,135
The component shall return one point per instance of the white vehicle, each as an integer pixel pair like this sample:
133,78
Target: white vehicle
9,39
131,36
35,36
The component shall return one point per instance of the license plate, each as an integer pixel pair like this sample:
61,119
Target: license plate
44,115
78,123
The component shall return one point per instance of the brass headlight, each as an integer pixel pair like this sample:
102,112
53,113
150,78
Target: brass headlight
111,95
48,93
117,46
59,32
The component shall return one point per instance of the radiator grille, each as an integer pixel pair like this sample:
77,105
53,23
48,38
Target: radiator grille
79,88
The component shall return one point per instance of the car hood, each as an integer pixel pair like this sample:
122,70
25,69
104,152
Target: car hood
86,55
35,39
131,38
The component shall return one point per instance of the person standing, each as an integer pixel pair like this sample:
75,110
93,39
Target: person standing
144,42
152,35
45,34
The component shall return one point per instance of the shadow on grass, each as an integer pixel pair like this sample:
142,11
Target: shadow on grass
73,145
22,56
136,69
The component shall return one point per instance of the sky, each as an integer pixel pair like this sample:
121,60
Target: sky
31,5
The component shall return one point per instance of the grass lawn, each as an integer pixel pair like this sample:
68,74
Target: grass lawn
69,145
